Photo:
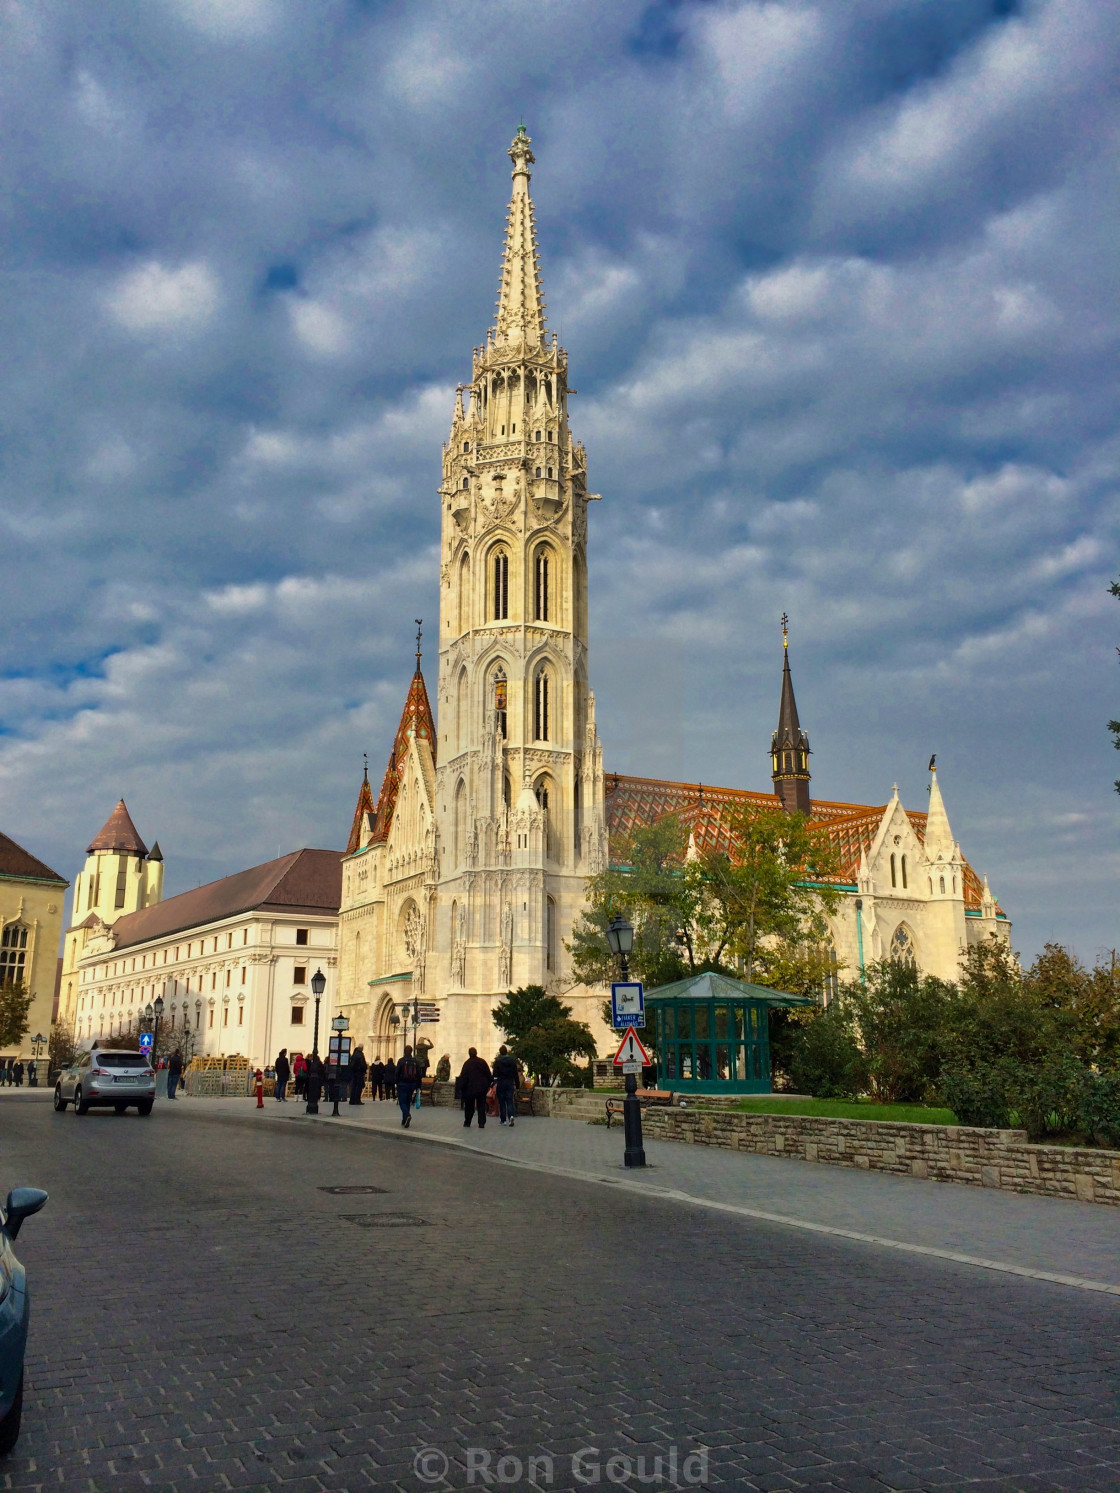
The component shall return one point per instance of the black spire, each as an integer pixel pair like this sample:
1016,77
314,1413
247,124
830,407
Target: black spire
789,746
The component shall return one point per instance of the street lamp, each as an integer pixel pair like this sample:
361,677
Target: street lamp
318,985
157,1007
620,936
36,1047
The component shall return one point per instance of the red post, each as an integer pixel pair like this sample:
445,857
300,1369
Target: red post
260,1089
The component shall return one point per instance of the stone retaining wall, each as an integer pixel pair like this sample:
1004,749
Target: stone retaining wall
939,1153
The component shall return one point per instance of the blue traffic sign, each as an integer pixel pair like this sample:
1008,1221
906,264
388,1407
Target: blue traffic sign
628,1003
145,1041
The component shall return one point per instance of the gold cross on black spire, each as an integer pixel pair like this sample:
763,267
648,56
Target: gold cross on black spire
785,631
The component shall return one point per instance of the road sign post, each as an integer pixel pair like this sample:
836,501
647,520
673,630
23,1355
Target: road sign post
632,1057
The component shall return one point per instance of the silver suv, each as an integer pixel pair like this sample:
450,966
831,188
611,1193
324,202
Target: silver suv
106,1078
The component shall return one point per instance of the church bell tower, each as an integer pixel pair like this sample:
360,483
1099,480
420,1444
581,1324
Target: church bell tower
519,789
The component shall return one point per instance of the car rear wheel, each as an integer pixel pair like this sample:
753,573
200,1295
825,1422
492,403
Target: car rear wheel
145,1107
81,1103
59,1101
9,1426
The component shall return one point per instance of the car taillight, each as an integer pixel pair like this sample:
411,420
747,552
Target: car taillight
101,1073
148,1073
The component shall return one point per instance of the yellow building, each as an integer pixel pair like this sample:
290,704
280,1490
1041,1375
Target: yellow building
31,896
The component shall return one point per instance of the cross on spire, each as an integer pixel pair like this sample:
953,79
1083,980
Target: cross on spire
785,631
419,624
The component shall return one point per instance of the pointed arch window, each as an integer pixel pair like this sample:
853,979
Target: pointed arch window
542,705
499,597
460,827
902,946
894,871
550,931
542,584
461,712
550,471
466,482
905,883
538,472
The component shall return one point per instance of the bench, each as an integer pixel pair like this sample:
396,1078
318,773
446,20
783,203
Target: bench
647,1098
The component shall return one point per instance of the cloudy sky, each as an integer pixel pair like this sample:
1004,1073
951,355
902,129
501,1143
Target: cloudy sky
838,284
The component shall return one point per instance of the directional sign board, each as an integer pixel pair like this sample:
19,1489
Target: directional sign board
145,1041
630,1050
428,1014
628,1004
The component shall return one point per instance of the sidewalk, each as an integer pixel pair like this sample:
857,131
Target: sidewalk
1075,1244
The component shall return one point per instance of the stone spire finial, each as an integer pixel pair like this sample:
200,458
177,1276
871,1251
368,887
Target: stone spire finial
789,746
520,303
939,837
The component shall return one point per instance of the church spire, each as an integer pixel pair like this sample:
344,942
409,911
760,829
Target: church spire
364,807
938,837
520,316
789,746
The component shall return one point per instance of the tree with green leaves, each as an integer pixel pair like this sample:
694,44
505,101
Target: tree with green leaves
542,1035
15,1003
755,909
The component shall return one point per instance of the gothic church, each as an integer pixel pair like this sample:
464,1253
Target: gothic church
466,875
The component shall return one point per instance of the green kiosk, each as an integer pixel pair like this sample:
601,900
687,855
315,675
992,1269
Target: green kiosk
713,1034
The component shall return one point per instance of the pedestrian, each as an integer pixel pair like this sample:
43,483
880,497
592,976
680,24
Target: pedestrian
174,1072
390,1079
19,1073
423,1057
32,1075
283,1073
408,1081
443,1069
377,1079
358,1069
505,1077
474,1083
299,1070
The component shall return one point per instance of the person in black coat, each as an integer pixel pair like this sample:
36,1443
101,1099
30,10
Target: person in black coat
474,1084
377,1079
391,1079
283,1073
358,1069
316,1073
505,1076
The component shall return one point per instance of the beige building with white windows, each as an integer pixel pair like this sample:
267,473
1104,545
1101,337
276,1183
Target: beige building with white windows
232,960
467,874
31,899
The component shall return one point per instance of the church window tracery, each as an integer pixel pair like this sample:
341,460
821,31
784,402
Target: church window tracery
902,946
13,953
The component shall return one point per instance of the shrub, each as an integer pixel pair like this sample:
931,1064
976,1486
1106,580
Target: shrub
1099,1115
977,1096
823,1057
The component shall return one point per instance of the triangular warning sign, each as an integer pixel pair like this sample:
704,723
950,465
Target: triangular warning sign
630,1049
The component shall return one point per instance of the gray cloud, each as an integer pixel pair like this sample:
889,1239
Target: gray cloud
838,286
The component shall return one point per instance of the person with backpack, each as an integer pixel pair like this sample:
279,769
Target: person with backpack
283,1073
474,1084
505,1077
408,1081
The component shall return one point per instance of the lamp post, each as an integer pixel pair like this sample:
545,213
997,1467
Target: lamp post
620,937
318,985
36,1048
157,1007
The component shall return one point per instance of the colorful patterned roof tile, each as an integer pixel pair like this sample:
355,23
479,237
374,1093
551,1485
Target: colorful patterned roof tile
416,721
632,803
365,806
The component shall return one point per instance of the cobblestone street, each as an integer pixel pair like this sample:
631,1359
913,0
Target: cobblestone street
207,1316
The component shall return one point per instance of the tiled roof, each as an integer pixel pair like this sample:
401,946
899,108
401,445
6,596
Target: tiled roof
23,866
365,806
416,720
118,833
851,828
307,881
